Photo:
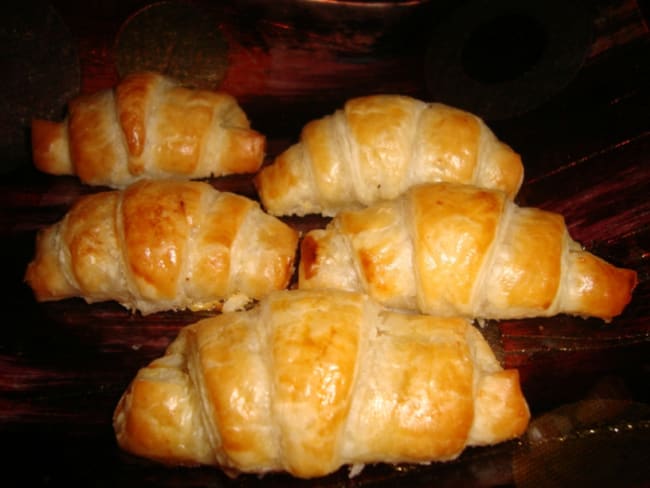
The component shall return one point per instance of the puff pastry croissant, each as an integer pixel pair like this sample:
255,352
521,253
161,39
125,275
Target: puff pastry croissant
163,245
148,126
376,147
451,249
309,381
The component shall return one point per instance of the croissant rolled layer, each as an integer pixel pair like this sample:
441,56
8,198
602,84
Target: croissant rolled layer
148,126
378,146
163,245
451,249
309,381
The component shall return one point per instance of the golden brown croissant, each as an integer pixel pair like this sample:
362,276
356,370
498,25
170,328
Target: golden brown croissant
148,126
311,380
451,249
375,148
163,245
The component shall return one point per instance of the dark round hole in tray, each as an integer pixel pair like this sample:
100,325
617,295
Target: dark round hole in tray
519,39
502,58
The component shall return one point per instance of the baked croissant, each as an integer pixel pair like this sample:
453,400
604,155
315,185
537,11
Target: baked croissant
148,126
310,380
450,249
378,146
163,245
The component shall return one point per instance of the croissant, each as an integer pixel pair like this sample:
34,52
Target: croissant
148,126
451,249
308,381
378,146
163,245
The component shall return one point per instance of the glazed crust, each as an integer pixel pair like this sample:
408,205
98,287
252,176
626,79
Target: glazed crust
309,381
148,126
452,249
378,146
163,245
